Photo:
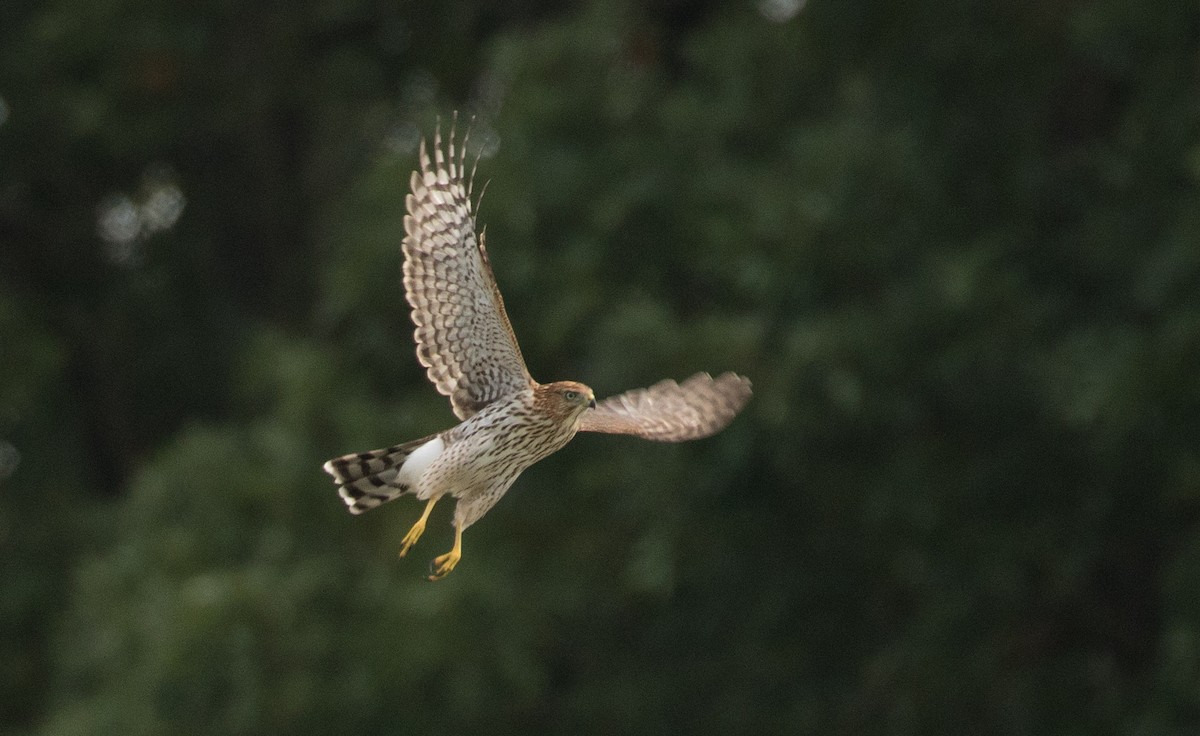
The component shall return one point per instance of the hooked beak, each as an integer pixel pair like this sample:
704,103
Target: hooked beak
592,402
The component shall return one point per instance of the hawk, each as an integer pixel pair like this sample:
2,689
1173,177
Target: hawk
508,420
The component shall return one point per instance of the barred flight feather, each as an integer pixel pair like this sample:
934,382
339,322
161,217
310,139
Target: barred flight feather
368,479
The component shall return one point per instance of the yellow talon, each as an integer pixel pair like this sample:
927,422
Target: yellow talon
411,538
443,564
418,528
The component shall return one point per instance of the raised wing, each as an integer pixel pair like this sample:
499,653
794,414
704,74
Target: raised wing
463,335
672,412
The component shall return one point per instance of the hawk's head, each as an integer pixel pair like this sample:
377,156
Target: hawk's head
564,399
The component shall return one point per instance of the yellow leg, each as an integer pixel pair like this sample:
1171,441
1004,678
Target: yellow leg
443,564
417,529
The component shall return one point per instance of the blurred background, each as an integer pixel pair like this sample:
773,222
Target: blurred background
955,246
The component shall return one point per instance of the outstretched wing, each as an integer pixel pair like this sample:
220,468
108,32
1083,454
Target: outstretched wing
672,412
463,335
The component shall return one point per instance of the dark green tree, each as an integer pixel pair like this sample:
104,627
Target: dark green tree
954,247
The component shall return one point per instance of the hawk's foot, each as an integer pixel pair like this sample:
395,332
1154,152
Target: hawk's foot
417,529
443,564
413,535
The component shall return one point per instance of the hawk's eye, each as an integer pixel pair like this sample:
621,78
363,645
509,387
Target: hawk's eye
570,395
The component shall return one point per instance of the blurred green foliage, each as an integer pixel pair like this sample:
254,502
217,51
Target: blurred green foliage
956,247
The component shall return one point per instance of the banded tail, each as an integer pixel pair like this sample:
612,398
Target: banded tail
367,479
